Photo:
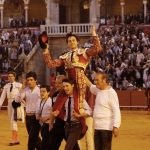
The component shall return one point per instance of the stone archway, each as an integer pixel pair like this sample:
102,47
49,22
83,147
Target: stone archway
13,10
24,9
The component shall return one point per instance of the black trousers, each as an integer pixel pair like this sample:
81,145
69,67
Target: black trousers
57,134
102,139
73,133
45,136
33,128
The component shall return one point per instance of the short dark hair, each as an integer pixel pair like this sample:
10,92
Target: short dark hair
71,34
13,73
71,81
47,87
31,74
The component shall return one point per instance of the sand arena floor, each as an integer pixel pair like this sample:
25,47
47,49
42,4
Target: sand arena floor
134,133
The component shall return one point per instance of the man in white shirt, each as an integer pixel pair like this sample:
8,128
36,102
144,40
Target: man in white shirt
106,114
31,94
10,91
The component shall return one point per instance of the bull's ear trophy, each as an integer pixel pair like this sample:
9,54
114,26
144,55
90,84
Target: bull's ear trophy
43,40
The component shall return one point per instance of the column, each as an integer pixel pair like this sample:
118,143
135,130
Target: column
99,9
122,3
26,14
2,16
52,12
2,13
26,7
93,18
145,10
47,20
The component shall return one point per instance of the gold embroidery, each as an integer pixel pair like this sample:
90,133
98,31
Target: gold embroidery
76,62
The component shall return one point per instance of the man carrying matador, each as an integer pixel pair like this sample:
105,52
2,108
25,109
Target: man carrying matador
75,62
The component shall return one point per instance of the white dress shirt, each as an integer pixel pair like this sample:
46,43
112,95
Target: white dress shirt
31,97
10,95
87,109
106,113
44,108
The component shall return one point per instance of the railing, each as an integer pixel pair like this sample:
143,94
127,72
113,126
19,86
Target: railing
19,68
63,29
30,55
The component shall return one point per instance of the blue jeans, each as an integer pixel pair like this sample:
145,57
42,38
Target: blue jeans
102,139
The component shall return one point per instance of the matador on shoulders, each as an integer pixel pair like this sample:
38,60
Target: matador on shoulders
75,61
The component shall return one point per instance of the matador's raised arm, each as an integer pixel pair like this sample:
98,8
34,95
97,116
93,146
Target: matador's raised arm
96,47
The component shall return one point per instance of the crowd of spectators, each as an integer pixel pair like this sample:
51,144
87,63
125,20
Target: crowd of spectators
125,56
19,22
128,19
15,45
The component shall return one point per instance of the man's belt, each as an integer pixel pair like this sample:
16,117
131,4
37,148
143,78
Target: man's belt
30,114
72,123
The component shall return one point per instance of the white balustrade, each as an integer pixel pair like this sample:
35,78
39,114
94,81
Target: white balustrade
63,29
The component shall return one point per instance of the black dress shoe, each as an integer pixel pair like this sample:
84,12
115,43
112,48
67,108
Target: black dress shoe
17,143
14,143
11,144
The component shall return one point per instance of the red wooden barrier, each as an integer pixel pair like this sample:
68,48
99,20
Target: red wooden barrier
132,98
127,98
